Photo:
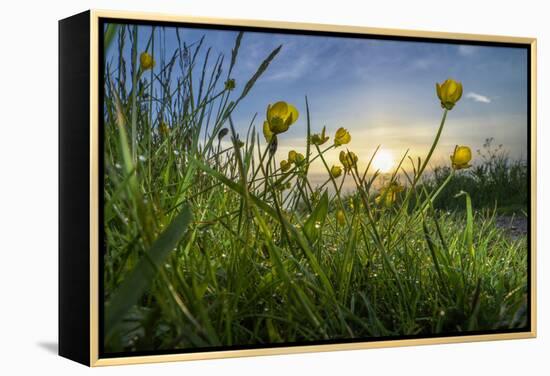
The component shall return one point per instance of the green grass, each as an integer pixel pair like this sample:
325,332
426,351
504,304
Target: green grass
206,243
495,181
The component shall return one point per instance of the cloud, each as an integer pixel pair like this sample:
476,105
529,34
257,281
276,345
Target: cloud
466,50
422,64
292,70
478,97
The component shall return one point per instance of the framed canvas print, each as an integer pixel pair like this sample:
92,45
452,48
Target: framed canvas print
236,188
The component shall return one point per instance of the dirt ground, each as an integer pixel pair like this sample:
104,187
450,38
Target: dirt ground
516,226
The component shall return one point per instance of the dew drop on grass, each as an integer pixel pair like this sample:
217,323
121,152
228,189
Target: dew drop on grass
118,166
176,152
142,158
317,224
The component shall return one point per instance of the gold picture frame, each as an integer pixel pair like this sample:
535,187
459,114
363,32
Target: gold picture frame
92,253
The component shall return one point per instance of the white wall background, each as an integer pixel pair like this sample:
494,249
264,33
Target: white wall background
28,185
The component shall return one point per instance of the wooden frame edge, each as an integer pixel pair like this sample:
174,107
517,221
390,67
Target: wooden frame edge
94,189
311,26
95,361
533,159
306,349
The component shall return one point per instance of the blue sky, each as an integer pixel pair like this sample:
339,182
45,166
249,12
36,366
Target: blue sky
382,91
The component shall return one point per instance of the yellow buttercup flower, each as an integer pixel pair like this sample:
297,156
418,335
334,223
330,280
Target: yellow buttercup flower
292,156
285,166
335,171
164,129
461,157
267,132
342,137
280,116
348,159
295,157
449,92
146,61
340,217
319,139
230,84
389,194
285,186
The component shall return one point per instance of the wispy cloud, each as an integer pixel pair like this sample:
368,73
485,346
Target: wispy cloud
478,97
292,71
422,63
465,50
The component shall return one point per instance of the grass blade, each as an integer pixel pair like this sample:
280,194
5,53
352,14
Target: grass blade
143,273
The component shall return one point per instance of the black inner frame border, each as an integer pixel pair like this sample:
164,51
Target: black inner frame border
102,21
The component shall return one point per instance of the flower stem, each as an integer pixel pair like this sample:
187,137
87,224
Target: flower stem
434,145
420,171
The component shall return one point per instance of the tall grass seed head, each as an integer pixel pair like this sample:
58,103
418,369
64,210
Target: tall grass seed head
319,139
335,171
342,137
461,157
146,61
348,160
280,116
449,92
222,133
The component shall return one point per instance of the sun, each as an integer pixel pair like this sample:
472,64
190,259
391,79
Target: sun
383,161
